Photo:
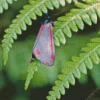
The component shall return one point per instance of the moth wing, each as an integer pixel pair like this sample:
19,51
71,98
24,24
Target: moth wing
44,46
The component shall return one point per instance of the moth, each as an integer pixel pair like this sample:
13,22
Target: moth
44,49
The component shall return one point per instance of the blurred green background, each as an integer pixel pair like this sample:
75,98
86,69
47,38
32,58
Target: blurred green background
13,75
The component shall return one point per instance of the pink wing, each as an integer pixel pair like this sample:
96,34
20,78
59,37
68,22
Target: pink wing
43,48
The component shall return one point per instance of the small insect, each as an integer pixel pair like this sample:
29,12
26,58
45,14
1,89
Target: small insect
44,49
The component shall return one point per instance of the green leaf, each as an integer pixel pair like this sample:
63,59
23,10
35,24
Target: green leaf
61,37
31,11
69,1
71,79
95,57
58,83
73,26
48,4
76,73
74,20
92,15
83,68
57,93
52,93
43,8
55,3
86,18
62,89
79,22
78,65
62,2
38,12
88,63
4,4
5,57
31,69
97,11
56,40
66,84
95,40
67,31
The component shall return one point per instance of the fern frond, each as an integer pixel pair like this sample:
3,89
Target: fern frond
4,4
29,12
32,68
75,19
90,55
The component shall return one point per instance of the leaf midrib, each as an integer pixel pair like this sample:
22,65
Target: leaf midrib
26,14
66,23
81,61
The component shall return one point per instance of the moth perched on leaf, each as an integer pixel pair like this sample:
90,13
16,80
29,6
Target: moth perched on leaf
44,49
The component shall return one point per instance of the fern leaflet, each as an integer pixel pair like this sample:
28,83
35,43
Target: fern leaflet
75,19
33,67
90,55
4,4
29,12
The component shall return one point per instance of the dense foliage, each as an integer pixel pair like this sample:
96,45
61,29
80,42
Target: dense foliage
76,36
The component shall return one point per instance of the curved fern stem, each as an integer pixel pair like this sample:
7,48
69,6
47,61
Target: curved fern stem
4,4
75,19
30,11
78,65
